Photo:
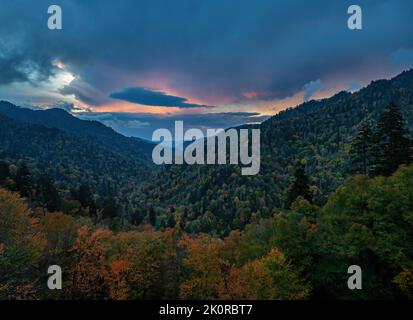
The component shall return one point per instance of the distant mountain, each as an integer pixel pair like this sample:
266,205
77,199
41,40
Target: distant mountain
220,199
73,151
93,130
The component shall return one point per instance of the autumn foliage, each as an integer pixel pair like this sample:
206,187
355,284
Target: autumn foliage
298,254
98,263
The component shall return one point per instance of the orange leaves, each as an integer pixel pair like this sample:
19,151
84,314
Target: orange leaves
91,274
234,286
404,281
272,277
118,286
211,272
92,246
149,255
119,267
21,247
99,264
60,231
205,278
127,265
14,216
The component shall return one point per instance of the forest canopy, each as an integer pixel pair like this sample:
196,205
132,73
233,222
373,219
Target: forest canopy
299,254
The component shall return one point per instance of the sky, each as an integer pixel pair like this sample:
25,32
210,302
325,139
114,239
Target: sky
139,65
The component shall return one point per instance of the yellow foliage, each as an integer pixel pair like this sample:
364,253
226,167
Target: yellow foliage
404,280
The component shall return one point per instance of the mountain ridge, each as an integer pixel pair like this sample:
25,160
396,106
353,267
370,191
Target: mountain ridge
318,133
73,159
94,130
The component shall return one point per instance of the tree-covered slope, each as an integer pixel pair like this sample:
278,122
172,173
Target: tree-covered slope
319,133
91,130
303,253
70,159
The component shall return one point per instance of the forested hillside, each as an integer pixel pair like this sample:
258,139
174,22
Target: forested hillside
317,133
299,254
75,158
93,131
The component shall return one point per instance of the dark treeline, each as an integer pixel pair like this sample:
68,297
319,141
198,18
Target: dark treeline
379,149
43,195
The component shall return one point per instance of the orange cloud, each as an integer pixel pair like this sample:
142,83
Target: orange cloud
121,106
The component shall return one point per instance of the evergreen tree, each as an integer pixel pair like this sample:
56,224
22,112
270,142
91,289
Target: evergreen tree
4,171
85,197
392,146
110,208
361,149
299,187
136,217
47,193
23,181
171,220
152,216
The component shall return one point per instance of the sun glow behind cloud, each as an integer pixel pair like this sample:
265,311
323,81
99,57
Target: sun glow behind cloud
62,77
123,106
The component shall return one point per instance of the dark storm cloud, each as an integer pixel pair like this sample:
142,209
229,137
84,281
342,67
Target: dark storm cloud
9,73
149,97
84,92
210,50
23,57
20,67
